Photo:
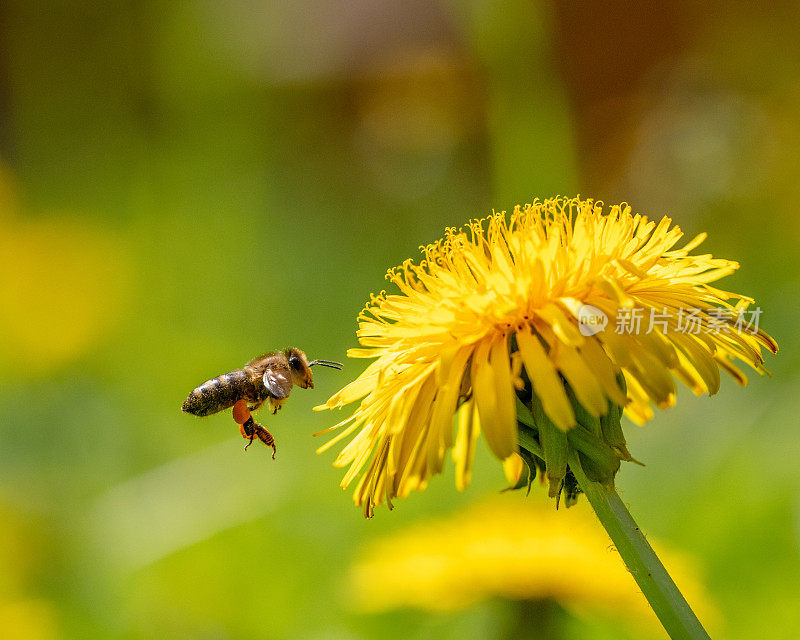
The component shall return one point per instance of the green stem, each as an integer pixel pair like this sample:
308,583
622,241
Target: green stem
664,597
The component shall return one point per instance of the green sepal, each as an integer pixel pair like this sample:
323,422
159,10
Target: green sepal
600,462
524,415
582,416
554,446
611,426
529,439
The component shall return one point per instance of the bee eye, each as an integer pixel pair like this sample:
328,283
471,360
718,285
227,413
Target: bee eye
294,362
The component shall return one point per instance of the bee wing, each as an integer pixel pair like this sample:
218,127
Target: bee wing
278,382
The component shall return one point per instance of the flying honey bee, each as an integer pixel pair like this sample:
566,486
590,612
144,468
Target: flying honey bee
266,379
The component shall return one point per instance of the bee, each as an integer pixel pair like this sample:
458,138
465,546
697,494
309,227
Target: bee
269,378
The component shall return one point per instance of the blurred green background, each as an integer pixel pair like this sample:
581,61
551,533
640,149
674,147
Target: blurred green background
184,185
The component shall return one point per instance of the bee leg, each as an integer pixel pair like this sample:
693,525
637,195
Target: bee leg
247,431
275,404
247,436
265,437
250,429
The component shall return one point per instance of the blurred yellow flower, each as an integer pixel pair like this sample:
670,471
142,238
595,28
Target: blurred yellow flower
544,299
62,283
518,550
28,620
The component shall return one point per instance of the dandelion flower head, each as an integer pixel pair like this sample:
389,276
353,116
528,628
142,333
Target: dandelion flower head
495,309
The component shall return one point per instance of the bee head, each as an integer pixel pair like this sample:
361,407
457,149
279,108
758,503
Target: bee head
298,365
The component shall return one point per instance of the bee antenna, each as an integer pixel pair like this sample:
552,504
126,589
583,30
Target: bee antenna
327,363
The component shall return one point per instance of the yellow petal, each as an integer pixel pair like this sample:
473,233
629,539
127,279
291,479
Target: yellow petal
505,396
464,449
546,383
444,405
512,468
563,325
600,364
582,380
483,389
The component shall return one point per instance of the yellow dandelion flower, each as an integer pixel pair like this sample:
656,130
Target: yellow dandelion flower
574,311
520,551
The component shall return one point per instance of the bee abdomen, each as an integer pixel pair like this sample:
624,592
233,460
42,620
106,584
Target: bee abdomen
217,394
